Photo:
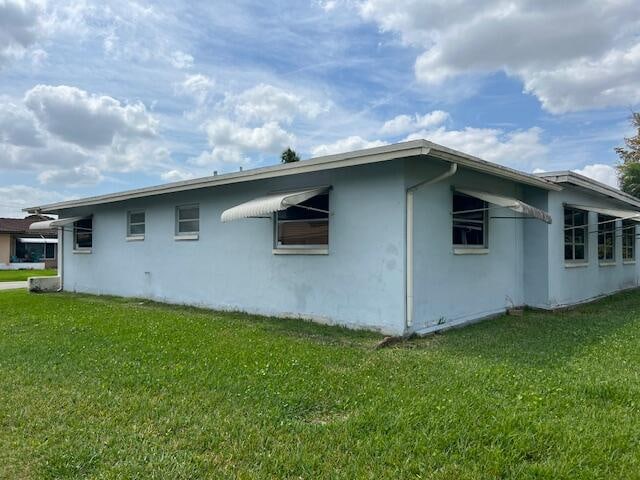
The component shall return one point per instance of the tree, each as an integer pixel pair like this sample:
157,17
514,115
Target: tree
289,156
629,169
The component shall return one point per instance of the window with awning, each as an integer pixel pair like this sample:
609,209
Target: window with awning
301,217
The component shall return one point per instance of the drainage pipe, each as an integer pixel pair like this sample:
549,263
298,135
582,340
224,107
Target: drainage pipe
409,238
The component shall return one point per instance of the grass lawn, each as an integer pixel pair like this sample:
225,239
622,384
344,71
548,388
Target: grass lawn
95,387
20,275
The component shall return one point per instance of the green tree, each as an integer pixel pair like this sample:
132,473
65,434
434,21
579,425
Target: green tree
289,156
629,168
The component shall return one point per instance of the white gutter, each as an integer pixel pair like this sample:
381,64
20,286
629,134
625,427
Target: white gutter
409,238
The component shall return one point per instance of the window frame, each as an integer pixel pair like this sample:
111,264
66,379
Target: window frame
302,248
76,247
188,235
465,247
585,245
137,236
629,233
607,228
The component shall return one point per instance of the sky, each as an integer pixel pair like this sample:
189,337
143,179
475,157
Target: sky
98,97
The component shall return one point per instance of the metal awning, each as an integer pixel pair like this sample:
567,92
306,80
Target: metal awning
612,212
51,224
37,240
510,203
267,205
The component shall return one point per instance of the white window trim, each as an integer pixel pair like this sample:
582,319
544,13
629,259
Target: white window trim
575,264
613,222
632,260
470,250
186,235
135,236
300,251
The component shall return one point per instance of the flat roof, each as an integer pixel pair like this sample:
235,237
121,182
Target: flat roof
573,178
348,159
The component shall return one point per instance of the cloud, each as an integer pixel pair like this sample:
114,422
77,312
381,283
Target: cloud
571,55
20,22
18,125
405,123
345,145
16,197
518,149
87,119
181,60
197,86
176,175
81,175
602,173
266,103
268,138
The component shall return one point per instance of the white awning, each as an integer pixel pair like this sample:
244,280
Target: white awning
51,224
612,212
37,240
262,206
510,203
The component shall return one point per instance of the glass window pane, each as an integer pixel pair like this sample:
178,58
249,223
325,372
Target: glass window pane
568,252
50,250
188,213
579,249
136,229
137,217
189,226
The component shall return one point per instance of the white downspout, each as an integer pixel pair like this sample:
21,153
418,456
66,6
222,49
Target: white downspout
60,258
409,236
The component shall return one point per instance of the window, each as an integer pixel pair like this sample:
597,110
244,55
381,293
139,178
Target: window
305,225
606,238
35,252
188,220
83,234
628,240
469,221
135,223
575,235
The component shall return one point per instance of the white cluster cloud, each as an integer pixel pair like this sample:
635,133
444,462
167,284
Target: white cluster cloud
254,122
72,137
519,149
88,120
16,197
571,55
20,22
268,103
197,86
406,123
345,145
602,173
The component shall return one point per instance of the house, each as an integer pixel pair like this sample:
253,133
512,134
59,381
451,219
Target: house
411,237
21,248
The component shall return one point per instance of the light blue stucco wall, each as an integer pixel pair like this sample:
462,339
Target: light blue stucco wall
569,285
360,283
452,288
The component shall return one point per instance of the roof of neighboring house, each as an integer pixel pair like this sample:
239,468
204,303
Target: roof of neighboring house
21,225
357,157
575,179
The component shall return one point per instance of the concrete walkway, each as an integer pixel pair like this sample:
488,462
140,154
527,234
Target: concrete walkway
12,285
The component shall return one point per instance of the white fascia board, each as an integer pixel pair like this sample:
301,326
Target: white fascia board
358,157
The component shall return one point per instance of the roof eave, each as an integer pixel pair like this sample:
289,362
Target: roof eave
359,157
578,180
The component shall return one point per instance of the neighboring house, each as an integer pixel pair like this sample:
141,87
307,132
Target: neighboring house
21,248
412,237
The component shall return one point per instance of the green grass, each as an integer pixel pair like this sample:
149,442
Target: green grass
22,275
94,387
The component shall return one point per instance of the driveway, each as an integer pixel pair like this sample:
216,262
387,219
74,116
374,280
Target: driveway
12,285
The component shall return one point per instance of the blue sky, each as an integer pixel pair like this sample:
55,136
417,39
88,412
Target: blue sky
97,97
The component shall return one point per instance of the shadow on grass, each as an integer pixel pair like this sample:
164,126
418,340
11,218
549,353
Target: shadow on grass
545,339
